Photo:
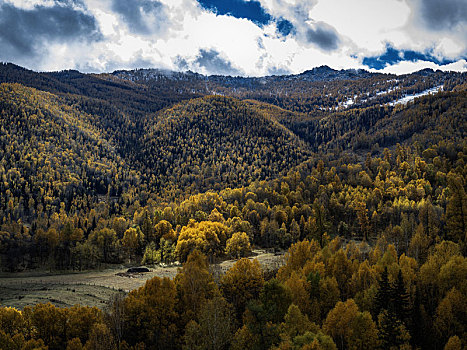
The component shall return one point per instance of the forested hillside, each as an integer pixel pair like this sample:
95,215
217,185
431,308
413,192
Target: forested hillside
365,191
207,142
428,120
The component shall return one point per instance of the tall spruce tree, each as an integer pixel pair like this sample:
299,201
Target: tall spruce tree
392,332
400,303
383,295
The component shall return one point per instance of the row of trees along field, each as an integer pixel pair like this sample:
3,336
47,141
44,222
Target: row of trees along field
327,296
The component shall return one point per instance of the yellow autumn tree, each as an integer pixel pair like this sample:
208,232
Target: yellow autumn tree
206,236
242,283
238,245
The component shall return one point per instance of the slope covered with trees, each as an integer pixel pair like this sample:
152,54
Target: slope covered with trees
206,142
53,158
427,120
368,199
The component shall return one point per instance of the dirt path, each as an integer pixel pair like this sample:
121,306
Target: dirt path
108,278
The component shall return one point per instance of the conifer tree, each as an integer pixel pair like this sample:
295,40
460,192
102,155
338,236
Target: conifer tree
400,303
383,295
392,332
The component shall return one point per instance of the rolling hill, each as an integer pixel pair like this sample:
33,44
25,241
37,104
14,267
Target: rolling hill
213,141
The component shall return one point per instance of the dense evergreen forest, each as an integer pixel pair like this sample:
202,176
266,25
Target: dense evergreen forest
366,195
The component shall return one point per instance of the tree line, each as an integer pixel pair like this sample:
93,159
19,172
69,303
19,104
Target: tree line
336,295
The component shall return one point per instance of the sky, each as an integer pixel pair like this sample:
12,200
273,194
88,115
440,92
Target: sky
234,37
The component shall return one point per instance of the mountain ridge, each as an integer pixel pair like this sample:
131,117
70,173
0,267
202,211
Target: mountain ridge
311,91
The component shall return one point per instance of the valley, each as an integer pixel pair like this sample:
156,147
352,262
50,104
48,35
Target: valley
323,210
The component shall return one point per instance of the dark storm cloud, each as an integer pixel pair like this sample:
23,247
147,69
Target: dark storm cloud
181,63
134,12
323,35
278,71
24,31
443,14
210,60
214,63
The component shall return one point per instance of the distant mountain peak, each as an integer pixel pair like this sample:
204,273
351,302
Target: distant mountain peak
325,72
322,73
425,72
321,69
144,74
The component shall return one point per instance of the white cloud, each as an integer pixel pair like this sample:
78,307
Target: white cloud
406,67
367,23
338,33
366,27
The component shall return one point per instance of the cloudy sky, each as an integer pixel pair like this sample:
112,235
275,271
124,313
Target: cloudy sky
234,37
